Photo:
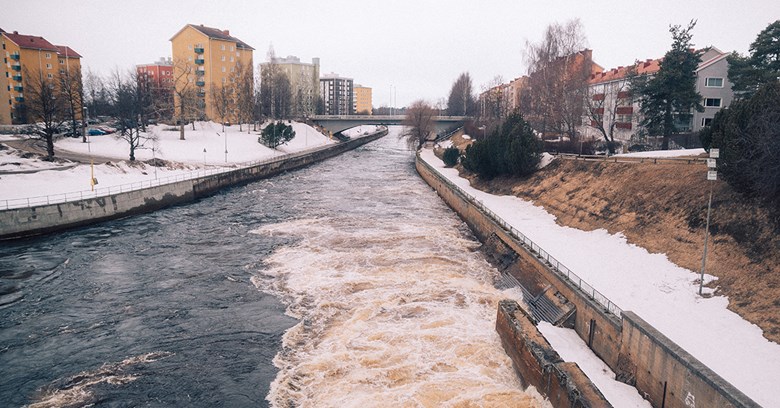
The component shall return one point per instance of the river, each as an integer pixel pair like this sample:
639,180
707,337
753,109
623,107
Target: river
345,284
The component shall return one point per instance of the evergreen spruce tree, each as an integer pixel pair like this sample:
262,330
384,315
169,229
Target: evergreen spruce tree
669,96
762,66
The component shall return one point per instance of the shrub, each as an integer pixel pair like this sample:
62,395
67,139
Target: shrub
451,156
276,134
512,149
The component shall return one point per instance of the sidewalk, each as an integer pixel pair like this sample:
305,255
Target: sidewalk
659,291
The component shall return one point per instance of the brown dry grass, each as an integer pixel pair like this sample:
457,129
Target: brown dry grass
663,208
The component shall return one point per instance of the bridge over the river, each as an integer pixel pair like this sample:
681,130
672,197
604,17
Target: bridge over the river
338,123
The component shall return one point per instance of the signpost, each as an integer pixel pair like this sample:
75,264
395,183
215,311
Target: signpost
712,175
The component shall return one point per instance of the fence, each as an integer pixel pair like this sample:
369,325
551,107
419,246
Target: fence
553,263
140,185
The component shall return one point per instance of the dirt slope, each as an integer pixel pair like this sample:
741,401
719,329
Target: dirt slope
663,208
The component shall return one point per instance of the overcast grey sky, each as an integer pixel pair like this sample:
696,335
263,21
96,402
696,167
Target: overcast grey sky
418,47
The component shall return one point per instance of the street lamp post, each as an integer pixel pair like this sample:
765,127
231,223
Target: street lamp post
204,157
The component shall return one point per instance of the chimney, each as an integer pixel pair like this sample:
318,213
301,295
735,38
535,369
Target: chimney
16,32
227,32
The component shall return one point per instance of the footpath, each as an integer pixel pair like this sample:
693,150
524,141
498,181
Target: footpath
680,348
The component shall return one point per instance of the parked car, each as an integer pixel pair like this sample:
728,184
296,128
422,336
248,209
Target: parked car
95,132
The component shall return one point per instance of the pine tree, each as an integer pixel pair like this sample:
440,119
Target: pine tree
762,66
669,96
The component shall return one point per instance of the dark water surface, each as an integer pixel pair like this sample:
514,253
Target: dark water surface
393,304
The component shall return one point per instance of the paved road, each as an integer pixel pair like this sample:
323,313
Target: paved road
39,146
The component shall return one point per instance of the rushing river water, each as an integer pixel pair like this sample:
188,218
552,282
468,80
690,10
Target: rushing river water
345,284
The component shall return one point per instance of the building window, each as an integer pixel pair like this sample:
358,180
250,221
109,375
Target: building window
223,58
238,54
231,48
189,47
232,59
62,61
224,69
223,47
189,58
48,66
49,76
706,122
713,82
47,55
712,102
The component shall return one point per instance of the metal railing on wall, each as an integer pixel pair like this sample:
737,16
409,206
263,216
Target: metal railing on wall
75,196
540,253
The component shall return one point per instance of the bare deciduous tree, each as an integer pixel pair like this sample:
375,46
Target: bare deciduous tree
558,73
603,106
461,101
72,90
186,97
44,106
127,98
242,80
223,100
419,124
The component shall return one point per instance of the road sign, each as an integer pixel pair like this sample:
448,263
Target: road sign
712,163
712,175
714,153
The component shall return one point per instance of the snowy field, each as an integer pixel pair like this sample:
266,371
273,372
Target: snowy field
187,156
662,293
664,153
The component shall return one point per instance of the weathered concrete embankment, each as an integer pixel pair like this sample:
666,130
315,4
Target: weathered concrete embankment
22,222
664,373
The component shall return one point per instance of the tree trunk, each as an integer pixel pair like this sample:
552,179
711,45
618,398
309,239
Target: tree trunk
49,146
181,130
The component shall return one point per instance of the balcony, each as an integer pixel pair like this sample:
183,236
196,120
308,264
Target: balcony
200,83
18,88
16,67
198,50
624,110
19,99
200,72
199,61
15,57
201,94
623,125
17,78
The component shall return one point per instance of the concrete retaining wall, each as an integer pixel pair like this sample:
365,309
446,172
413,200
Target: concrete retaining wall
669,376
637,353
605,339
21,222
538,364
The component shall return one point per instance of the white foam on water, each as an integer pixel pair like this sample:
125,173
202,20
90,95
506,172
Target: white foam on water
76,390
392,314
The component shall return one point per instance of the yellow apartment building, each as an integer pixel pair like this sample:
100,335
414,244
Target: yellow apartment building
202,58
25,57
363,103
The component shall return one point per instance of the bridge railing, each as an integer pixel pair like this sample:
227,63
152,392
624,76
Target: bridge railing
555,265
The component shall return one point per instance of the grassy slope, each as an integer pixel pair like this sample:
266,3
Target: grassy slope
663,208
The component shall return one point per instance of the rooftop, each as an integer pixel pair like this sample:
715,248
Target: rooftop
218,34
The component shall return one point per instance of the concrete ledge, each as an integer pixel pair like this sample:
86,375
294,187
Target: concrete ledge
668,375
23,222
538,364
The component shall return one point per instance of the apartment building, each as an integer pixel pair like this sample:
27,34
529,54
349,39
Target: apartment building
337,94
26,57
363,104
618,112
304,82
205,58
157,77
